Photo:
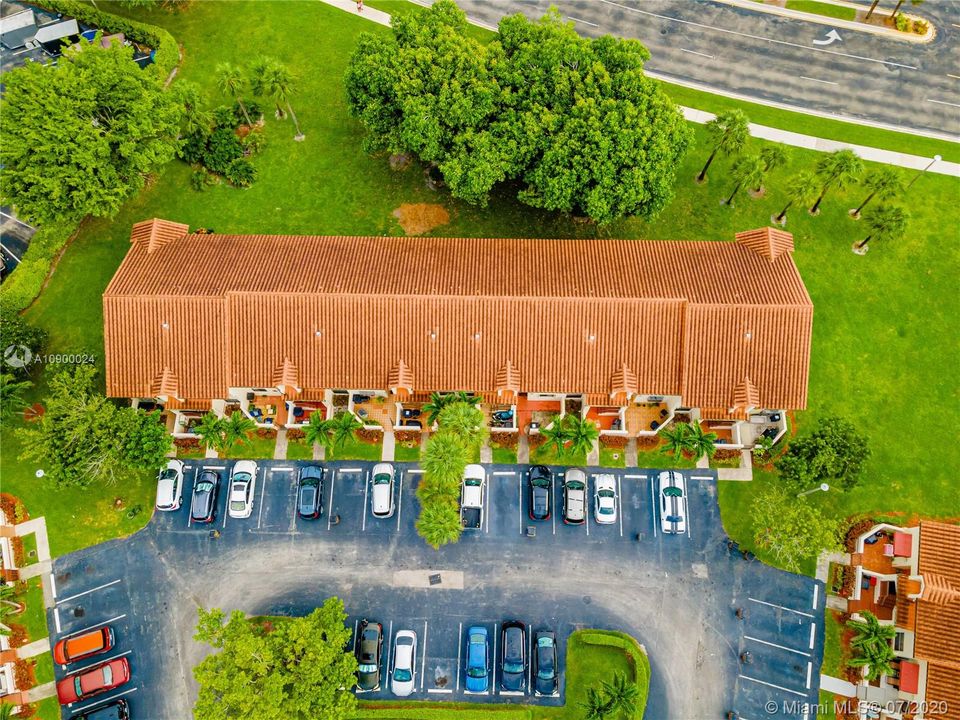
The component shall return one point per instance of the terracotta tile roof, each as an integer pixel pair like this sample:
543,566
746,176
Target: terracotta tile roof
400,378
623,384
769,242
153,234
691,318
286,374
746,395
508,382
938,610
943,686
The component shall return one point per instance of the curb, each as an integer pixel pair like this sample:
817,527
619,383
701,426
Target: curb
838,23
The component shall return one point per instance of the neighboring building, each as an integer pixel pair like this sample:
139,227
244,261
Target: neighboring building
627,333
910,578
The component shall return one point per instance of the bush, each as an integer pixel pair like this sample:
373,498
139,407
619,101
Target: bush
253,110
225,117
614,441
223,147
903,22
407,436
187,444
266,433
295,434
920,27
193,147
370,435
241,173
506,440
253,142
24,283
14,330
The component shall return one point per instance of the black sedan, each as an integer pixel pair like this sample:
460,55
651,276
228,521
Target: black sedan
116,710
368,648
310,492
541,492
203,504
545,663
513,656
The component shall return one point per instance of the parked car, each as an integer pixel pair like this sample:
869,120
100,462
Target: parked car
403,668
471,497
605,499
478,648
81,647
243,483
203,504
513,656
310,492
93,681
574,496
382,496
673,502
545,663
170,486
115,710
540,481
369,645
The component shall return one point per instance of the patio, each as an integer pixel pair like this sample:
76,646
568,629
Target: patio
506,423
540,412
646,418
607,418
376,410
268,410
877,596
301,411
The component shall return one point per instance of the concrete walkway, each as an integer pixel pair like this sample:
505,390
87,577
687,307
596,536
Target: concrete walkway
40,692
824,560
593,457
523,449
744,473
37,647
280,448
389,450
828,683
486,452
630,453
763,132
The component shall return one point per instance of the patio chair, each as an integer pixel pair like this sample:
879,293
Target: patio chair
654,424
663,413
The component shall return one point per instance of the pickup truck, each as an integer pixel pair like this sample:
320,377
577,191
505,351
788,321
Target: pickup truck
471,497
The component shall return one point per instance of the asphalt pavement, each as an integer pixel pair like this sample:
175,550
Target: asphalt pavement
677,594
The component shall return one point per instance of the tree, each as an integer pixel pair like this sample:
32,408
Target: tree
556,434
746,170
285,668
274,79
197,120
883,183
871,643
444,460
837,169
438,401
887,222
801,189
773,156
231,82
340,428
315,431
728,133
833,452
597,706
464,421
11,395
701,443
82,136
237,428
439,523
873,6
677,438
790,529
623,694
900,3
17,332
580,434
212,432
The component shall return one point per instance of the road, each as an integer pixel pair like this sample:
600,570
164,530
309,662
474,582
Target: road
911,86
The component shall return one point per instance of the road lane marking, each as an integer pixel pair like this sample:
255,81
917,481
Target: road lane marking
816,595
53,586
400,501
694,52
620,505
585,22
92,627
825,82
263,490
764,602
459,651
943,102
778,687
955,77
782,647
333,480
813,634
56,619
87,592
423,659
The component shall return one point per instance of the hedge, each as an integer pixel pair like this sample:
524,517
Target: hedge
167,54
641,663
501,712
25,282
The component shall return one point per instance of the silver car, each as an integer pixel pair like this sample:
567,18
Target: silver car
605,499
673,502
575,497
382,496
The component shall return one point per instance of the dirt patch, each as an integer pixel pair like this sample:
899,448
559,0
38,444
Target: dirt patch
400,161
418,218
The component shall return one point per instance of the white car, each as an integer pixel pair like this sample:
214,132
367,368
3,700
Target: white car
243,484
382,496
673,502
605,500
403,666
170,486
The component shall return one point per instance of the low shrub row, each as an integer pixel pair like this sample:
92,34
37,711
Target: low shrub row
640,661
24,284
445,712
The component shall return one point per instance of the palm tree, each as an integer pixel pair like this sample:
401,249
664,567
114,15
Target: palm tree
838,169
195,118
11,395
728,134
883,183
556,434
580,434
597,706
800,190
899,3
444,459
237,428
465,421
773,157
439,524
433,407
277,81
623,694
6,711
871,641
747,170
315,431
873,6
342,427
211,431
678,439
230,82
889,222
701,443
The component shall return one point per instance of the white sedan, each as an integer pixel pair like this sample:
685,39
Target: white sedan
382,497
243,484
605,499
403,668
673,502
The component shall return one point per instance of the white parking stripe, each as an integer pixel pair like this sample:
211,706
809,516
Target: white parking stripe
87,592
620,505
486,509
423,659
193,488
700,477
813,634
263,490
504,472
816,595
520,501
809,671
281,469
529,658
214,467
782,647
686,513
653,508
366,489
351,470
415,471
56,619
100,662
636,477
400,501
386,659
333,481
493,659
778,687
440,691
764,602
459,653
103,701
92,627
53,586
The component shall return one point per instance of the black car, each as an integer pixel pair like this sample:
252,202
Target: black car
203,504
369,645
310,492
541,492
116,710
513,656
545,663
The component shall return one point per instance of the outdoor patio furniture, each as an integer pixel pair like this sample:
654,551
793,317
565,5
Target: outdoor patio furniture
271,409
361,412
256,413
664,413
888,550
654,425
616,424
298,412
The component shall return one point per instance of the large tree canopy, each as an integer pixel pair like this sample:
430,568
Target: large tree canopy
81,137
291,669
574,120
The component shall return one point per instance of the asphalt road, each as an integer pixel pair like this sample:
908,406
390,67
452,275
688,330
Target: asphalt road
677,594
863,76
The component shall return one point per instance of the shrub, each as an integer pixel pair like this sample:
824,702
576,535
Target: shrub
198,180
509,440
295,434
407,436
920,27
241,173
536,440
194,147
24,283
614,441
903,22
369,435
253,110
254,142
266,433
647,443
225,117
187,444
223,147
726,454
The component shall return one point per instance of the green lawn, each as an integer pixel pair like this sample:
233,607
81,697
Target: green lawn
29,549
656,459
832,652
504,456
357,450
299,450
43,668
34,616
48,709
547,455
613,457
406,453
256,448
819,8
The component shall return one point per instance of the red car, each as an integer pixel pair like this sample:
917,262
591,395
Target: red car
93,681
80,647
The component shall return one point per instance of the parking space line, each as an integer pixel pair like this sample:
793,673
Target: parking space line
764,602
103,701
782,647
53,586
56,619
653,507
213,467
529,658
809,672
400,501
520,501
351,470
813,634
193,488
263,490
415,471
423,658
366,490
636,477
91,627
486,509
686,513
459,653
701,477
386,659
87,592
504,472
778,687
99,662
333,482
620,505
816,595
556,494
493,659
439,691
281,469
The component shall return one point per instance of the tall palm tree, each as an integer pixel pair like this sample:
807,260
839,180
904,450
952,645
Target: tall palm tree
837,169
728,132
869,632
580,433
701,443
439,524
444,459
888,222
873,6
900,3
465,421
773,157
278,83
432,408
315,431
623,694
883,183
341,427
747,170
237,428
230,81
210,430
556,434
597,706
800,190
11,395
678,439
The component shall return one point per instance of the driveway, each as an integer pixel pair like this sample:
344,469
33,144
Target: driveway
677,594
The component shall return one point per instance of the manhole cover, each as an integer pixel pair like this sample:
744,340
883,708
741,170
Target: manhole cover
587,599
435,579
79,612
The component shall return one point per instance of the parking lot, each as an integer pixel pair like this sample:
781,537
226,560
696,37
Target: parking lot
678,594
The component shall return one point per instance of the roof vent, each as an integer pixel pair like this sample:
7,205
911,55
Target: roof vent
476,335
748,335
591,338
165,325
318,333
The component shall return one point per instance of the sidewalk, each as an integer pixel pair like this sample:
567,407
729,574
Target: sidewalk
914,162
